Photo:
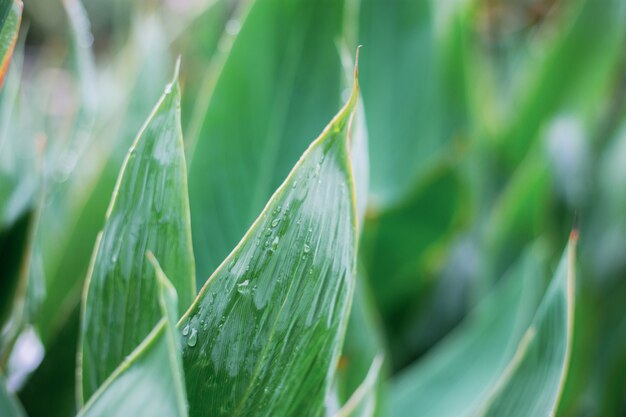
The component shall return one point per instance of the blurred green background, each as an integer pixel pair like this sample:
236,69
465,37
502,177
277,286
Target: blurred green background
492,124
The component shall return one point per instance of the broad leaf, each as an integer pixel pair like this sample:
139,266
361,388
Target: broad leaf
458,376
405,83
263,336
10,18
277,89
532,384
150,381
148,212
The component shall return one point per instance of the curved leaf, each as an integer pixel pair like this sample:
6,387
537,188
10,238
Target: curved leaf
533,383
362,403
150,381
364,342
457,377
149,211
277,89
263,336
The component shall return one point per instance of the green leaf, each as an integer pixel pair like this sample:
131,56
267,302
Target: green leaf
150,381
9,405
148,212
364,342
400,244
362,403
277,89
10,18
404,94
588,40
266,330
457,377
532,383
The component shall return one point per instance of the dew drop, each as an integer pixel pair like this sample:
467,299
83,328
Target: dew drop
275,243
186,330
295,184
275,222
193,338
307,248
242,287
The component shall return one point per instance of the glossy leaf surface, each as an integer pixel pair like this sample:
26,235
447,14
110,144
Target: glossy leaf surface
278,88
265,332
149,212
150,381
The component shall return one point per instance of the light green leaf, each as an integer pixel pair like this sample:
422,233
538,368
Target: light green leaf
277,89
148,212
362,403
459,375
150,381
9,405
364,342
263,336
532,383
10,18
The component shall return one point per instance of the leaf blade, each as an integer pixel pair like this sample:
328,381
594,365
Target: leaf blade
141,385
270,339
249,160
149,212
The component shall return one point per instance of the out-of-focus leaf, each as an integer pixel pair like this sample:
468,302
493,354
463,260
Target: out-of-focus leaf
15,249
362,403
9,405
75,212
266,330
518,215
401,243
149,211
533,381
582,54
364,342
458,376
404,93
150,381
50,390
10,18
266,106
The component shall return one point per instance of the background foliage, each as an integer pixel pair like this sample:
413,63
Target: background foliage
485,130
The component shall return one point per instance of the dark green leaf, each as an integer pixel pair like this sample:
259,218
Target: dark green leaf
264,334
148,212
